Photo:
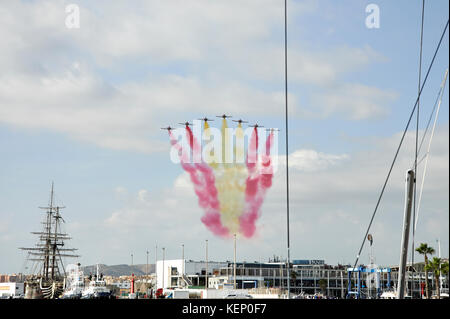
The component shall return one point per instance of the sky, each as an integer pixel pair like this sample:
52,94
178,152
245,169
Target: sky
83,107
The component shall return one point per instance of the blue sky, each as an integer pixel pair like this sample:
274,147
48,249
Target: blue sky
82,107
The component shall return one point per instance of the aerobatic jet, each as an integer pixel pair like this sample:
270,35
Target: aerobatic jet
223,116
240,121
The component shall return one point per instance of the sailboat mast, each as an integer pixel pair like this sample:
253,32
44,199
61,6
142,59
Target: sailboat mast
47,239
54,244
410,180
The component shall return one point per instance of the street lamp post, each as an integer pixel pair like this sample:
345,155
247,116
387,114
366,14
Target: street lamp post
131,263
439,253
146,267
182,259
164,257
234,264
206,282
156,263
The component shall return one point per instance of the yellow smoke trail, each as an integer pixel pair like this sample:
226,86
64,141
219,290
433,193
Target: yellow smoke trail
207,135
230,178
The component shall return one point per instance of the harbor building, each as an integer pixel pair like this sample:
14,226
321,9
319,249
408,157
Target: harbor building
306,275
11,289
309,277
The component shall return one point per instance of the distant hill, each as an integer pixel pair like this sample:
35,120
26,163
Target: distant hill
119,270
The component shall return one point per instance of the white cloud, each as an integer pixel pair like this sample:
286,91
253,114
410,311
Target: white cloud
309,66
311,160
356,101
53,77
86,108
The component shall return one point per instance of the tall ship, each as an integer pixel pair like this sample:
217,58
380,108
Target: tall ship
48,279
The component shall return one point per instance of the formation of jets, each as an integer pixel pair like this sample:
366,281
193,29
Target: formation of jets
224,116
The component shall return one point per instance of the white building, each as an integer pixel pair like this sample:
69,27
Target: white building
183,273
11,289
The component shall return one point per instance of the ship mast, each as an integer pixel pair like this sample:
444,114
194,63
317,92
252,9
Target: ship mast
49,249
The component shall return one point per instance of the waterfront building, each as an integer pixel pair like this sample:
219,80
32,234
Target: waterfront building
308,277
11,289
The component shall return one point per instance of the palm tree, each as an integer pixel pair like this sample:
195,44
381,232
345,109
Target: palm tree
425,250
435,267
323,285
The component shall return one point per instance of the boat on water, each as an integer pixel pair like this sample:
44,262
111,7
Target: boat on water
49,280
74,282
97,288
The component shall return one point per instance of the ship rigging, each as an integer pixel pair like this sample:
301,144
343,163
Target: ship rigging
49,280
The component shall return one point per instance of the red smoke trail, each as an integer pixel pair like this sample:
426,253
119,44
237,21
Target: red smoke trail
257,184
267,169
207,190
190,169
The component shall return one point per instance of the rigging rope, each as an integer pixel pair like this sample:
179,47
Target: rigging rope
428,125
401,142
429,146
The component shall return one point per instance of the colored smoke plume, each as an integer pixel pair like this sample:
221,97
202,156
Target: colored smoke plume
231,194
